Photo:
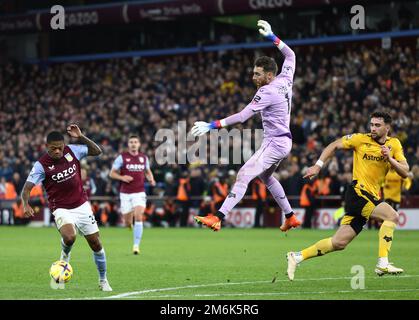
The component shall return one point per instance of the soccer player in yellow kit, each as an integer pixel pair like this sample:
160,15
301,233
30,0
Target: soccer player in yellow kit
393,186
373,156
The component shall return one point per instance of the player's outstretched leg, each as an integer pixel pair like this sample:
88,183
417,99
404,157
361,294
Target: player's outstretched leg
339,241
246,174
259,162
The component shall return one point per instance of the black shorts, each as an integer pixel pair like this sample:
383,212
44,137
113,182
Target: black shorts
395,205
359,205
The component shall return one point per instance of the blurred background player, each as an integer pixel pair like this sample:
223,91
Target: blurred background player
60,172
374,154
393,187
273,101
130,168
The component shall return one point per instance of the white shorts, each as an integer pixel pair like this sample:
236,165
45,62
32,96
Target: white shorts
81,217
131,200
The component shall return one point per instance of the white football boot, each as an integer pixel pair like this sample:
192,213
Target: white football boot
104,285
389,269
292,265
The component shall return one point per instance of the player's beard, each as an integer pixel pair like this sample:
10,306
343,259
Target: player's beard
376,137
261,83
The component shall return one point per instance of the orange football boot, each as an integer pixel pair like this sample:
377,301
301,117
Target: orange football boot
210,220
289,223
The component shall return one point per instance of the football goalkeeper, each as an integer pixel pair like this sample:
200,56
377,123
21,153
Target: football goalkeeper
273,102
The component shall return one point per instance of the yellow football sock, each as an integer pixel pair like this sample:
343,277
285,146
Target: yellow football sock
318,249
385,238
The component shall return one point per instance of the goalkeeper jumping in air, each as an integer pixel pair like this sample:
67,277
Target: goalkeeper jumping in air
273,101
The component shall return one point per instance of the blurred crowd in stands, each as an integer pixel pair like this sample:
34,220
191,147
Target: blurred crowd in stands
334,93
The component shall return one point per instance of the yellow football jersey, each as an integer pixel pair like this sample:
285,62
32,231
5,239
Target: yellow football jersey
394,184
369,166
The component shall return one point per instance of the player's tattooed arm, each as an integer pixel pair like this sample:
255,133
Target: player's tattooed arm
26,191
93,149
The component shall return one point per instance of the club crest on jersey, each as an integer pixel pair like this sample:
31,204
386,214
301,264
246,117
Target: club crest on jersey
141,159
69,157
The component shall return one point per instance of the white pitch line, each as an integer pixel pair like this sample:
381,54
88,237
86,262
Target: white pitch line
136,293
272,293
127,294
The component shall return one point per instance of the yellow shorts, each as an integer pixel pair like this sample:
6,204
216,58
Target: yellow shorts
359,206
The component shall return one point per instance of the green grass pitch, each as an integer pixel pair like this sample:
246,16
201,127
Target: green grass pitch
196,263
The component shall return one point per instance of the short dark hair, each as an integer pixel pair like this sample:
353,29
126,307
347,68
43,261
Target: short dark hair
380,114
134,136
267,63
54,136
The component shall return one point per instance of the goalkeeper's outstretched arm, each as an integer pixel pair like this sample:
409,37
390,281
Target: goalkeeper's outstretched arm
202,127
288,67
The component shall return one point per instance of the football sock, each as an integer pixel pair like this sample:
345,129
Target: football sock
385,239
100,260
289,215
65,251
220,215
138,232
278,193
318,249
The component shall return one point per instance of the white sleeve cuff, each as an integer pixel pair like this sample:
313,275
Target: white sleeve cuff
281,44
320,163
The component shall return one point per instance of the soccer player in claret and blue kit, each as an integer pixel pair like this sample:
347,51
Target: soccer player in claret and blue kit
60,173
131,168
